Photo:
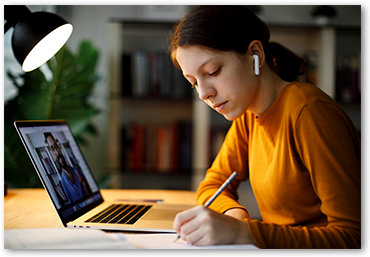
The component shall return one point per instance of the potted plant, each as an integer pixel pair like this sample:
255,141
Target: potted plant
63,96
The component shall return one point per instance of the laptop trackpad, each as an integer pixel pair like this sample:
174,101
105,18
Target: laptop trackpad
156,214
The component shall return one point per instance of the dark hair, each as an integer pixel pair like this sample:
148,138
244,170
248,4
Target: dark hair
233,28
46,135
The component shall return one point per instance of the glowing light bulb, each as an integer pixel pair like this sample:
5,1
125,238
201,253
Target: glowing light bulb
47,47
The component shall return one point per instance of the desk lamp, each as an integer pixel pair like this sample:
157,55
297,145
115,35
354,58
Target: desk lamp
37,36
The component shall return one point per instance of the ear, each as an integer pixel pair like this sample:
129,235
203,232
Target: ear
255,47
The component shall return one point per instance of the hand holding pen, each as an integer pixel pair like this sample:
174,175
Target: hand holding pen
218,192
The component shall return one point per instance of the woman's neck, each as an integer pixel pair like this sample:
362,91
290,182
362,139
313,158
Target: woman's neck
269,89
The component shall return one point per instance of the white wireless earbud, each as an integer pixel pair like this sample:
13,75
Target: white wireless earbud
256,64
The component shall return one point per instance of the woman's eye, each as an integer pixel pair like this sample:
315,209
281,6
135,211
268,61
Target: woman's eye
215,72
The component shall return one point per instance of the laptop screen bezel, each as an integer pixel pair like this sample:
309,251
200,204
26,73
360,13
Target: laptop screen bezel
85,209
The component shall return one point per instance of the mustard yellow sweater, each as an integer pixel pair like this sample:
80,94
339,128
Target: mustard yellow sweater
302,157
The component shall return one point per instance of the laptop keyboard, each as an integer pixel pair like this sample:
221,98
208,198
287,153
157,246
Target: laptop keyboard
120,214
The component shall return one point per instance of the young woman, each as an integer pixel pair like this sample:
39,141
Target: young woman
297,147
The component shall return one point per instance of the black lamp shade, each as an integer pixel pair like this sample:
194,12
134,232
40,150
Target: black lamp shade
33,28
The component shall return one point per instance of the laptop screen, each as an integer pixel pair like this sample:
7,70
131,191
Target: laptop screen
61,167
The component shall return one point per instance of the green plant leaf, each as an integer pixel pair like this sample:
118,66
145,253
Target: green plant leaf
65,96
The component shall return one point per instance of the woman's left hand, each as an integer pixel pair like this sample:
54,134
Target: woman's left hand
202,226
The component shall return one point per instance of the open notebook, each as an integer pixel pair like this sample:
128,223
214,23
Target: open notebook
73,189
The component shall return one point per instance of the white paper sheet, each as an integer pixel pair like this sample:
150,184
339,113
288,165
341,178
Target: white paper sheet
166,241
61,238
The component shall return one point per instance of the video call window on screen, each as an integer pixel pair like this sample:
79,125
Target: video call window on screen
59,167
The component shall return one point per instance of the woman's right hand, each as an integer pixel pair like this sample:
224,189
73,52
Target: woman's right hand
202,226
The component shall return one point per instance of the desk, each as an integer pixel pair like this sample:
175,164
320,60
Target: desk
32,208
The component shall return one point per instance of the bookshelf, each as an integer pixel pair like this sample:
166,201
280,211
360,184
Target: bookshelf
326,47
150,133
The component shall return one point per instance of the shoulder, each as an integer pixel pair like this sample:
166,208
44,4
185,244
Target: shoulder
317,110
298,97
305,93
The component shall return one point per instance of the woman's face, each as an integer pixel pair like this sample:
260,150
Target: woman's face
224,80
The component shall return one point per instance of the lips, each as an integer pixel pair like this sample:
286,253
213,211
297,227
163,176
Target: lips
219,107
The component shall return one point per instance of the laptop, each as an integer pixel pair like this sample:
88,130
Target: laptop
73,189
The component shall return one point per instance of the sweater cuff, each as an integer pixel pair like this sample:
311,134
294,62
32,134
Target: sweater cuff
255,232
239,207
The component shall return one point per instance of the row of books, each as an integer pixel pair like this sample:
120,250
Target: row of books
152,75
157,148
49,167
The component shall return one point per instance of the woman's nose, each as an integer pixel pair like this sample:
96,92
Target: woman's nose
206,91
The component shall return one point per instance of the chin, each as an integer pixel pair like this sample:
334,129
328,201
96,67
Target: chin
230,117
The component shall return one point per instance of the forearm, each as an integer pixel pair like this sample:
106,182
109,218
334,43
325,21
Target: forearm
273,236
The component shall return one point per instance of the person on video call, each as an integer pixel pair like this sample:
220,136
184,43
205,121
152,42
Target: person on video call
298,148
73,182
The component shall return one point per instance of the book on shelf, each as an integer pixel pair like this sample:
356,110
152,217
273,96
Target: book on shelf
151,75
150,149
126,75
155,148
48,166
138,147
185,146
182,86
163,149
